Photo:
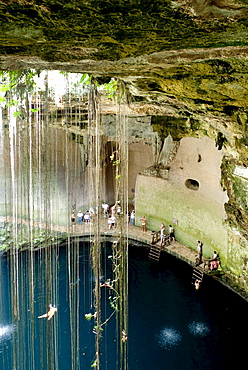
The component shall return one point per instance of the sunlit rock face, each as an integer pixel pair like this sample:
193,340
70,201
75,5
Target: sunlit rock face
191,194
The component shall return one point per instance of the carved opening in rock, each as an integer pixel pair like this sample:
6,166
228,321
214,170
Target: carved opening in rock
192,184
199,158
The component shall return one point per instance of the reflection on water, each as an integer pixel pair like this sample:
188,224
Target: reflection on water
198,328
6,331
5,337
169,338
171,325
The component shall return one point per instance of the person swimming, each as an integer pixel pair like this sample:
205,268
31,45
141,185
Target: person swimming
50,313
124,336
197,284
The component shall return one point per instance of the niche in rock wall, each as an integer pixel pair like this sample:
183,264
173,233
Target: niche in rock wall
192,184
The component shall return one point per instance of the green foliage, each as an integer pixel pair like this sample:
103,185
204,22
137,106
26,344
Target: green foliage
4,87
88,316
11,103
86,79
111,87
22,239
16,83
113,301
94,364
17,79
97,328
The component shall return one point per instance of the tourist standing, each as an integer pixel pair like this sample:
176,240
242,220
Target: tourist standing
162,232
118,209
105,208
199,251
171,233
112,221
73,217
109,223
143,223
132,218
80,218
113,210
87,217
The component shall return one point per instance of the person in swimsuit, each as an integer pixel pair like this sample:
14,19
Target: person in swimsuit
162,232
171,233
143,223
73,217
197,284
50,313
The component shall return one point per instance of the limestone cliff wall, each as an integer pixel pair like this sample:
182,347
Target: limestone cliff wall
192,199
192,196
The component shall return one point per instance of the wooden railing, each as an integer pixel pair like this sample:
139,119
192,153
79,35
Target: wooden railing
156,238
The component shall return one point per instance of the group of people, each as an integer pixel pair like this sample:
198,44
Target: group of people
163,233
214,262
114,210
211,263
111,213
107,211
86,217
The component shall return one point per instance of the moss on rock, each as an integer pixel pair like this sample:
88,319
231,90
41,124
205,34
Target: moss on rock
133,27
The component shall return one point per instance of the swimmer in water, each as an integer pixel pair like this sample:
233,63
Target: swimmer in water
197,284
124,336
50,313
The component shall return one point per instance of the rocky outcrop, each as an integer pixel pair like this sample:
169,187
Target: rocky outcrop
116,29
207,9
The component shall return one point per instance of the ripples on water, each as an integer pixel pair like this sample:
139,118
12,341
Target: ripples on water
168,338
5,336
198,329
171,325
6,331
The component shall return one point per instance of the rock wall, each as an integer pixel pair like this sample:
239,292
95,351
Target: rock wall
197,207
192,199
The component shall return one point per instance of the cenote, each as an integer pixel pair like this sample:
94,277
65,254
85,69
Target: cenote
170,324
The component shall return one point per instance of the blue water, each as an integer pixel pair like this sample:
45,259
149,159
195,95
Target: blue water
171,325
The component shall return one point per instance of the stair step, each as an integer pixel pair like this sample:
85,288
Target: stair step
154,253
198,274
154,258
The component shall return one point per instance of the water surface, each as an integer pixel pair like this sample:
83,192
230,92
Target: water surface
171,325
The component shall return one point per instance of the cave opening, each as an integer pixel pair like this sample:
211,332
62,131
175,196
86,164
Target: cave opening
192,184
